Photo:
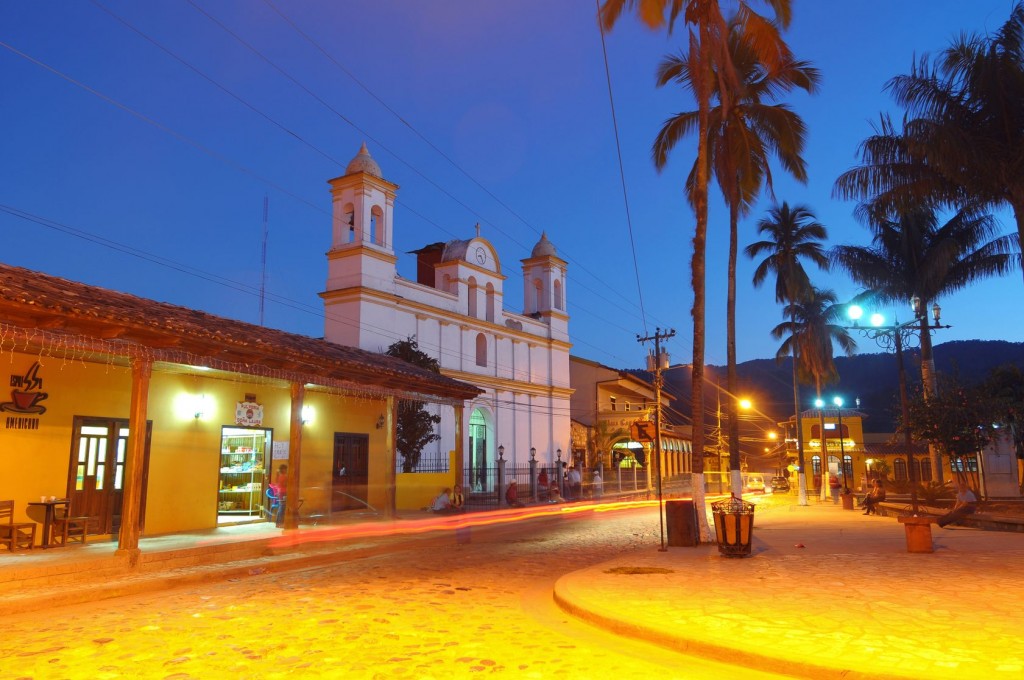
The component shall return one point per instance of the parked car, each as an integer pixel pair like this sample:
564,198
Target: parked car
780,485
753,483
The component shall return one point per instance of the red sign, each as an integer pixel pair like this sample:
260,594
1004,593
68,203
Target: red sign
642,431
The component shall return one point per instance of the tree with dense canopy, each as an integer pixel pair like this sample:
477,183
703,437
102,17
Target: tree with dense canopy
962,141
415,425
918,256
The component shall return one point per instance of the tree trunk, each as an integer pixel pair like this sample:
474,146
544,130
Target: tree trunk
802,474
697,273
736,479
930,386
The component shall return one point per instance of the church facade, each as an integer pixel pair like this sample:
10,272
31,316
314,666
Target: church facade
455,311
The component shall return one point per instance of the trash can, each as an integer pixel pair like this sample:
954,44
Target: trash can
847,500
681,522
734,526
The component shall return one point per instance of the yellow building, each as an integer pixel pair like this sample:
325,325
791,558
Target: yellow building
841,449
155,418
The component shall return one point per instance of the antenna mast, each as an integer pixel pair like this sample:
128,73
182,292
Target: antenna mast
263,259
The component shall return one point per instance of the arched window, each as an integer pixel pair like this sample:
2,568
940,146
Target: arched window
558,294
848,466
350,224
490,302
538,295
899,469
376,225
815,465
481,350
472,293
925,468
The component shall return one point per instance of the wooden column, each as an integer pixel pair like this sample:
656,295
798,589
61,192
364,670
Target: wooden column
460,459
128,536
291,507
390,459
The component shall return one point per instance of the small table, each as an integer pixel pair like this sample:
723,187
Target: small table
48,518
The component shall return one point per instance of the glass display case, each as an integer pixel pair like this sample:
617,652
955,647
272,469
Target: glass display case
243,459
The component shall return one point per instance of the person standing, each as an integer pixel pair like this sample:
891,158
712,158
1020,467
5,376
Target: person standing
834,485
280,487
575,484
543,484
597,483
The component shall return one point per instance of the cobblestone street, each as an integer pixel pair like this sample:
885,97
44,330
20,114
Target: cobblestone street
429,608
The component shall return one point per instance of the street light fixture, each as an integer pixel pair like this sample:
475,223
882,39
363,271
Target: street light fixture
898,337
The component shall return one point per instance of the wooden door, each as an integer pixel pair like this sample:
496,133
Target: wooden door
96,473
351,471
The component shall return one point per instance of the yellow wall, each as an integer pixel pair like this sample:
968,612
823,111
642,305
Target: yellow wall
184,464
853,444
36,461
416,490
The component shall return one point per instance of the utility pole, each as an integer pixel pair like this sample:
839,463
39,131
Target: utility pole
657,367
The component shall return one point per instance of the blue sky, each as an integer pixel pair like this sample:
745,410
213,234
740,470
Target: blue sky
156,156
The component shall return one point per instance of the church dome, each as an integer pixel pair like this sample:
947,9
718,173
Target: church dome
544,247
363,162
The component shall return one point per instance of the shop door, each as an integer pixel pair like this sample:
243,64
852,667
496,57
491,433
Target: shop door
351,471
99,448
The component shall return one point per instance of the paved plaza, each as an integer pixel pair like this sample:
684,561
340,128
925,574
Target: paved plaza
826,593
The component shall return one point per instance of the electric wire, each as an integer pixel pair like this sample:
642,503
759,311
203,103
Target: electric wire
383,146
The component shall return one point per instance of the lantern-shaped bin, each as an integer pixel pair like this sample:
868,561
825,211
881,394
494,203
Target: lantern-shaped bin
734,526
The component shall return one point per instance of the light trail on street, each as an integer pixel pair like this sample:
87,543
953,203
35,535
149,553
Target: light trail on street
429,606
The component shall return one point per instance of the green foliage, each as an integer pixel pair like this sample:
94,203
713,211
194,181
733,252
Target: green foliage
958,419
415,425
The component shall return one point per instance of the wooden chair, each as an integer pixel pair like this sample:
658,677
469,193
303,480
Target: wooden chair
67,528
15,534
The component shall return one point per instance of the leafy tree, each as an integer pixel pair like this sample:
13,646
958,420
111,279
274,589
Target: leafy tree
918,256
707,49
962,141
415,425
743,137
815,326
958,419
793,234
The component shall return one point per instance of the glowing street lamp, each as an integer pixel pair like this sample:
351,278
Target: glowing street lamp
898,336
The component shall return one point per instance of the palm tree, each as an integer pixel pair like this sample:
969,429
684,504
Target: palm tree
707,47
794,234
815,326
964,139
914,256
742,139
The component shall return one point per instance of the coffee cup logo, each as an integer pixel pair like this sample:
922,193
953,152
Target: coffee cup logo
26,400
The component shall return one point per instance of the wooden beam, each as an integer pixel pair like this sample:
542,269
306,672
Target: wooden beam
128,537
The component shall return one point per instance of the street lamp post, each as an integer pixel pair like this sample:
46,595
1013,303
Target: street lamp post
894,337
842,451
820,403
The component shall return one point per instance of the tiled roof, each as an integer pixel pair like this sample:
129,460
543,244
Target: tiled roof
31,300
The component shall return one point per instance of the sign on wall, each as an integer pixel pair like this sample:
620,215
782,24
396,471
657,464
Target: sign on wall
249,414
26,400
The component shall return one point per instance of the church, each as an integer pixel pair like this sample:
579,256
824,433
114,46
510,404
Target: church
455,311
